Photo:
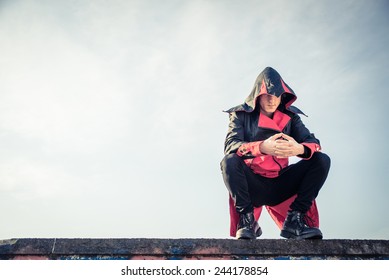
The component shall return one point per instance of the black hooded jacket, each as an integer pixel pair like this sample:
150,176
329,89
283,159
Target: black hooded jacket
248,127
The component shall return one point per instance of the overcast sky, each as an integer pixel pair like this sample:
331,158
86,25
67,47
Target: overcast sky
112,122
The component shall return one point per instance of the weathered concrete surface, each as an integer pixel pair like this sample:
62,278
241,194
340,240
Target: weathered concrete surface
60,248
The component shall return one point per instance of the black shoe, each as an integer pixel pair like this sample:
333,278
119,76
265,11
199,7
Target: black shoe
295,227
248,227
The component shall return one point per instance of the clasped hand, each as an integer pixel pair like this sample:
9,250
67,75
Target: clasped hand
281,146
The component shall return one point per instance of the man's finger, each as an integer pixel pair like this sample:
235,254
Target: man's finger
275,136
283,146
287,137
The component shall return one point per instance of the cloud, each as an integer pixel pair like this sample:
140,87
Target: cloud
120,103
30,180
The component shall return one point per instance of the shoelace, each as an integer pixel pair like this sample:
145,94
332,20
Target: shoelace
245,220
303,220
309,221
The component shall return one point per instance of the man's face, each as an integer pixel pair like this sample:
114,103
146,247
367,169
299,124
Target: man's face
269,104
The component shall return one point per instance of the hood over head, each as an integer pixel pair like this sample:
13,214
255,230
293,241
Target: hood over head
269,81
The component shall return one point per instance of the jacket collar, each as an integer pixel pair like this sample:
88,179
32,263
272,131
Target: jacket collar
278,122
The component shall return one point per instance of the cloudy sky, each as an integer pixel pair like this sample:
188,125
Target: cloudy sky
111,112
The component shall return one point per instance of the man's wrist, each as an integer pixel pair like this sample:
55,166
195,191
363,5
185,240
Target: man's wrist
262,148
302,149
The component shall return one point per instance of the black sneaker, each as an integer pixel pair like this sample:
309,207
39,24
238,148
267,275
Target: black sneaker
248,227
295,227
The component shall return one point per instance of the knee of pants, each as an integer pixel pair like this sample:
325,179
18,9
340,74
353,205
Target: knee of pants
230,162
323,160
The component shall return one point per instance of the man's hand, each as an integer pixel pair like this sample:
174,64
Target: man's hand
282,146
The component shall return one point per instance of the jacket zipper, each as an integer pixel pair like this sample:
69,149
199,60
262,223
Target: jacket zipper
277,162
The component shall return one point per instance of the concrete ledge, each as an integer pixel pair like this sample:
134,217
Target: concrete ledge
144,249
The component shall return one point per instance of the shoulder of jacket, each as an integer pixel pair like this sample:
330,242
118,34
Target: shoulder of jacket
295,111
239,115
240,108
